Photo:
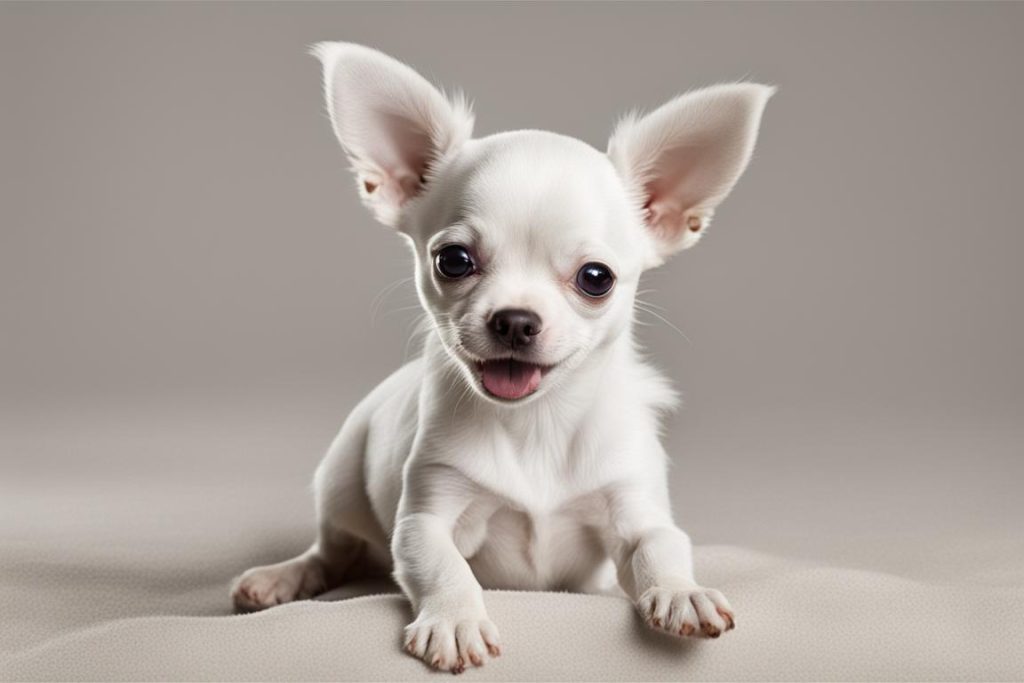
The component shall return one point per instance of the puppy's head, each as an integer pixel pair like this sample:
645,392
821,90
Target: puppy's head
529,245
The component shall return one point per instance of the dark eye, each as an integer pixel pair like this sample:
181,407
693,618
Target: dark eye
454,261
595,279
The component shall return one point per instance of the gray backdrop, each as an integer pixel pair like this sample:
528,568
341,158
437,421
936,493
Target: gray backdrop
189,289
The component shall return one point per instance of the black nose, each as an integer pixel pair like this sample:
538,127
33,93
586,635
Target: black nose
514,327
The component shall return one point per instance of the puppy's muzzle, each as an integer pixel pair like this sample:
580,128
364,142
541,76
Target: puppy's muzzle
514,327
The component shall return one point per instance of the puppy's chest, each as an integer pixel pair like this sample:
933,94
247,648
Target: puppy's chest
541,508
545,467
513,547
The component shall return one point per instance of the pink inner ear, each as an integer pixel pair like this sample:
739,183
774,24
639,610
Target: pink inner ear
668,194
684,179
402,151
391,122
686,156
664,216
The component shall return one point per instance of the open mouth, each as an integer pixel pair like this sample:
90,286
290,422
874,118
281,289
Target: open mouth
509,378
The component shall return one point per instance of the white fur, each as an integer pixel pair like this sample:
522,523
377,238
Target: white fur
450,489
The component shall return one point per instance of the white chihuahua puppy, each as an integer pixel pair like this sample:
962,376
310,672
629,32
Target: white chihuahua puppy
521,450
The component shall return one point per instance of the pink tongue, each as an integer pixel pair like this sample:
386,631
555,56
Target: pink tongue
510,379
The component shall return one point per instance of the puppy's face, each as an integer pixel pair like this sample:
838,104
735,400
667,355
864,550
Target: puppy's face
528,255
529,245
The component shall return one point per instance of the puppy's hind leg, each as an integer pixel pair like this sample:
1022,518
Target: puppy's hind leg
350,544
313,572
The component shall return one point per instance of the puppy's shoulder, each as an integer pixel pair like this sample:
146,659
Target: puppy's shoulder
639,391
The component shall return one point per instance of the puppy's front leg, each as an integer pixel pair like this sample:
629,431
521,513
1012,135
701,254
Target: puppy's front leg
655,567
451,628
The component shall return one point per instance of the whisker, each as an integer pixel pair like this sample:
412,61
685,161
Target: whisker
649,304
640,307
466,389
382,295
417,330
401,309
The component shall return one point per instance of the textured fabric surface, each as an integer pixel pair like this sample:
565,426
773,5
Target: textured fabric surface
798,622
121,527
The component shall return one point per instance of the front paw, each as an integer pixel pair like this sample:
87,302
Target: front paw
687,612
450,643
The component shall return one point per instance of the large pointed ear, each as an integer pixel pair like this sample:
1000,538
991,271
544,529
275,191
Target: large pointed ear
393,124
683,158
